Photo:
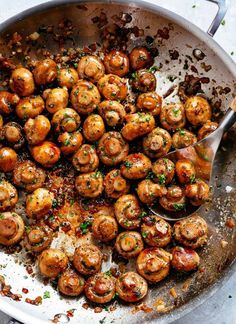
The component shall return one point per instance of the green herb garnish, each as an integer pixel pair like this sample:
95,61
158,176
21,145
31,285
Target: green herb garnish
151,175
192,178
161,179
181,131
54,203
153,69
142,214
27,228
46,295
108,273
102,321
66,142
72,201
127,164
144,234
179,206
84,226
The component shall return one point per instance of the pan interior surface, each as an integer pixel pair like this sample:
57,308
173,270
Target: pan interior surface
215,260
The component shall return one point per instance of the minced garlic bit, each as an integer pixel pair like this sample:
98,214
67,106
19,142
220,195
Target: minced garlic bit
34,36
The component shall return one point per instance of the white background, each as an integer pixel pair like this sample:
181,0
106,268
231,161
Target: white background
220,309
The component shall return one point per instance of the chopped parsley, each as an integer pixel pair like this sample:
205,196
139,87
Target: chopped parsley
84,226
142,214
115,295
151,175
72,201
127,164
75,65
97,174
46,295
144,234
175,111
127,223
54,203
223,22
161,179
178,206
153,69
66,142
181,131
108,273
102,321
27,228
134,75
171,78
192,178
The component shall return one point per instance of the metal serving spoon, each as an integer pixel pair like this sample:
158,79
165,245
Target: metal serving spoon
202,154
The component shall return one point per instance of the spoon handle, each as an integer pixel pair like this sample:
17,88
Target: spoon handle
229,118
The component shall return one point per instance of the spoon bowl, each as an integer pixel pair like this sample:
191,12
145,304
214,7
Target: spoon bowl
202,155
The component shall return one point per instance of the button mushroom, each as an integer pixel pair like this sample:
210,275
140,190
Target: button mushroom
115,185
112,87
85,159
7,102
157,143
67,77
12,228
137,125
87,259
65,120
131,287
8,159
22,82
148,191
112,111
93,128
116,62
8,195
198,111
143,81
70,283
28,176
153,264
46,153
45,71
85,97
104,228
149,102
36,130
129,244
112,148
127,211
91,68
191,231
52,262
39,203
136,166
30,107
155,231
100,288
56,99
172,116
89,185
183,138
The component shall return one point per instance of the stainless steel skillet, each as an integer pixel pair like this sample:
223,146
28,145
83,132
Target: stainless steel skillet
183,37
